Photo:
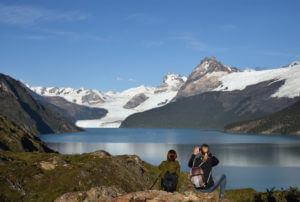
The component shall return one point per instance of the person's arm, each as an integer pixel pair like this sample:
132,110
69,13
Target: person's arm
177,168
191,161
162,164
214,160
178,174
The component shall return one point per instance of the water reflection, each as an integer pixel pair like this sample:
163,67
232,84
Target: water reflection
259,166
242,155
257,161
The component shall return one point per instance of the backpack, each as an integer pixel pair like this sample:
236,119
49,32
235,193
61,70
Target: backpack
197,176
169,182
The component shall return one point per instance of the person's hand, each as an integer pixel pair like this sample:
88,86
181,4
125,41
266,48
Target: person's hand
196,151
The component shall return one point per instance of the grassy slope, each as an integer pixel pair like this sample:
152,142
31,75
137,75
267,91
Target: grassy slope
19,106
23,178
286,121
29,176
17,139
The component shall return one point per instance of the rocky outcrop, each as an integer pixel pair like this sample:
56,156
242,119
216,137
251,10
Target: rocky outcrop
91,98
115,194
135,101
204,78
19,106
171,82
94,194
17,139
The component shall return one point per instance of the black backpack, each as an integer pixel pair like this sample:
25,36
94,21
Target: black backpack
169,182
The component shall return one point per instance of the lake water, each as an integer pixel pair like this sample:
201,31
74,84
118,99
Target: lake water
257,161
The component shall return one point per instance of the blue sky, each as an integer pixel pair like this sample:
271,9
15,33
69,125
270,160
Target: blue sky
114,45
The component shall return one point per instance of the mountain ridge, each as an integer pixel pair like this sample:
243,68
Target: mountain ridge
213,109
17,139
19,106
209,76
114,102
285,121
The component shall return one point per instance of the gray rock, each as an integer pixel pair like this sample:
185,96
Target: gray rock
198,82
171,82
92,98
135,101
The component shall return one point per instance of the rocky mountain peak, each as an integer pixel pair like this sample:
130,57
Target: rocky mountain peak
208,65
171,82
170,78
295,63
205,77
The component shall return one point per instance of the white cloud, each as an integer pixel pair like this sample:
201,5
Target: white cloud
25,16
29,15
43,34
132,80
73,35
129,80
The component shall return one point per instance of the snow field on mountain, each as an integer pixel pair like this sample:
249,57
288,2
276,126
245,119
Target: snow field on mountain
240,80
164,93
116,113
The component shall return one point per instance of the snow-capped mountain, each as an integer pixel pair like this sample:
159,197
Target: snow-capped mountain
212,75
171,82
204,77
218,96
209,76
119,104
78,96
240,80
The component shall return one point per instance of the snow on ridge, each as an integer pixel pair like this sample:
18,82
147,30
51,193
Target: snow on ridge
114,101
164,93
78,96
173,79
240,80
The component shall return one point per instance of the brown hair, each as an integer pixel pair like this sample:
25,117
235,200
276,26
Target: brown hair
205,145
172,155
203,157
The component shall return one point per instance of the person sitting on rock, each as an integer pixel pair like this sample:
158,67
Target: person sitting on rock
170,171
201,163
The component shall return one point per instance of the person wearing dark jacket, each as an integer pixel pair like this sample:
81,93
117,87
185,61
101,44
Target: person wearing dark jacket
203,158
171,165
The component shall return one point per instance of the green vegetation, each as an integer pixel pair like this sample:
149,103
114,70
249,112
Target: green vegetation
17,139
243,195
286,121
44,177
19,106
30,176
